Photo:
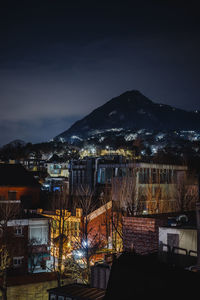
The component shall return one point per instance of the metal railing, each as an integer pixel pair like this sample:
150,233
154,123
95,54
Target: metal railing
173,250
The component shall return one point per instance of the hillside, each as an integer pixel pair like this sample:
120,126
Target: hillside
132,111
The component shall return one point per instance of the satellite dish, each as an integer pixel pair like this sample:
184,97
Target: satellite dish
182,219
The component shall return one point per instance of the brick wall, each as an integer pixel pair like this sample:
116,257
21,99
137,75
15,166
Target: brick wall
16,246
97,226
141,234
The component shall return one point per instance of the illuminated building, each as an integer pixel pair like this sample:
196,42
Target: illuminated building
66,226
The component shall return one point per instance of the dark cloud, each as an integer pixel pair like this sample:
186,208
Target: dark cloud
59,59
40,130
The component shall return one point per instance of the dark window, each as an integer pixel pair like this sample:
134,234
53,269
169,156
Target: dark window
18,230
154,176
163,176
141,176
146,175
173,240
76,225
17,261
103,175
170,176
79,176
109,174
119,172
12,195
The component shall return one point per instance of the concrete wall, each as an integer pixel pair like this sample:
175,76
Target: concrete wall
187,238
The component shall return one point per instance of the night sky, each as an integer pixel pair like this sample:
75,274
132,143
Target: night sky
59,60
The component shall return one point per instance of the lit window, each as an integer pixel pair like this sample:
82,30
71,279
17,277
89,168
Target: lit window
78,212
39,234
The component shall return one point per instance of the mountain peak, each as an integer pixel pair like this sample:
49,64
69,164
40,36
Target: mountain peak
131,93
132,110
15,143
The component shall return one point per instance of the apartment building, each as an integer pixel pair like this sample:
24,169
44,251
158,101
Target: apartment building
154,188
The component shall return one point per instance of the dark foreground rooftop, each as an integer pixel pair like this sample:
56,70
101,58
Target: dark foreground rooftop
136,276
78,292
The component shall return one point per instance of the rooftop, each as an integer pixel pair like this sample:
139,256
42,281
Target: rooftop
144,276
79,291
175,219
30,278
16,175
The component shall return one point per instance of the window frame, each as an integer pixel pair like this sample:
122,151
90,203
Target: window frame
18,258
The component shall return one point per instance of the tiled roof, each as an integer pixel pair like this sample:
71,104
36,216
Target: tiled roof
79,291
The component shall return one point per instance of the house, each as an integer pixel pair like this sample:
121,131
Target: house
105,228
33,164
27,243
76,291
53,184
173,236
179,234
17,185
178,239
100,225
66,226
56,169
32,286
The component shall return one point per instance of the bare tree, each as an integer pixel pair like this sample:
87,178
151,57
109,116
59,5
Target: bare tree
153,191
124,196
106,223
60,205
90,240
8,211
186,193
4,265
125,193
86,245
